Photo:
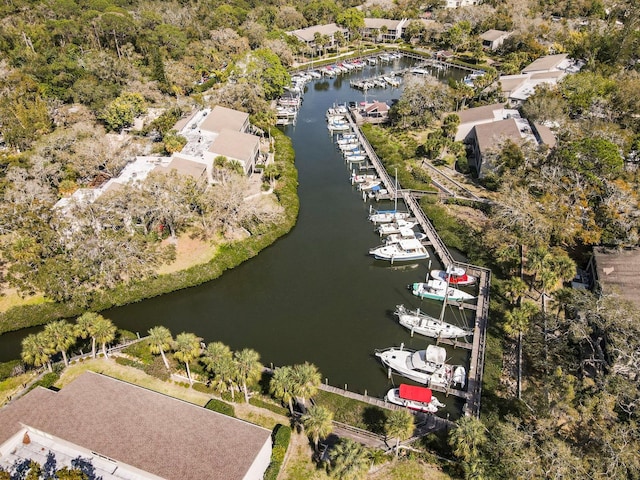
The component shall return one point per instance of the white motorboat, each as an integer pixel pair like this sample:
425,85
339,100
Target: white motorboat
355,158
416,398
404,234
454,275
403,251
394,227
366,186
355,178
386,216
427,367
439,290
428,326
338,127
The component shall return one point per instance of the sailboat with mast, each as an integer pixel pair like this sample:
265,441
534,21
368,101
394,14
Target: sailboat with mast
429,326
387,216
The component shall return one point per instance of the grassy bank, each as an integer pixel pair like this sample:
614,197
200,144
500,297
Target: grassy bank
229,256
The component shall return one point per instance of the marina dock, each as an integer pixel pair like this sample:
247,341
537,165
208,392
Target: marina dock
473,391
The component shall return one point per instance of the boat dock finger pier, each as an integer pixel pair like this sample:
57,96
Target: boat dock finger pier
473,391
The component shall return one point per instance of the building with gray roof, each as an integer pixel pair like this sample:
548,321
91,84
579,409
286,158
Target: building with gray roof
129,432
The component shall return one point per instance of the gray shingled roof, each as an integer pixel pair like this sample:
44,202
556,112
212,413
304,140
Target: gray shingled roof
617,272
147,430
490,135
235,145
548,62
307,34
184,166
493,35
221,117
479,113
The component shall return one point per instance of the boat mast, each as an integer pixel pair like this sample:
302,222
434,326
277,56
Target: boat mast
446,296
395,206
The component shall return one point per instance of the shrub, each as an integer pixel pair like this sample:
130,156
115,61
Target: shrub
127,362
220,407
257,402
157,369
201,387
47,380
282,435
141,351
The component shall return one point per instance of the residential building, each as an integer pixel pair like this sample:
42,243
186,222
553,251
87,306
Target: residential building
383,29
488,127
308,35
493,39
475,116
615,271
548,70
237,146
128,432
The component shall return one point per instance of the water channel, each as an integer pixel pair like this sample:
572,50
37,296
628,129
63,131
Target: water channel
315,295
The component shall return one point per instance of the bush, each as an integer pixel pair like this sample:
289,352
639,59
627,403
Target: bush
127,362
220,407
203,388
47,380
141,351
282,435
157,369
257,402
237,397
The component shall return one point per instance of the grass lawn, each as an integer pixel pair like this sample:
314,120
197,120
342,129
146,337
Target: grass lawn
132,375
10,298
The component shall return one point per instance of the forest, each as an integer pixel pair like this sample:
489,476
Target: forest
560,393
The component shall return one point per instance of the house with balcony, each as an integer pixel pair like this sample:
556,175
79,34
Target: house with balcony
383,29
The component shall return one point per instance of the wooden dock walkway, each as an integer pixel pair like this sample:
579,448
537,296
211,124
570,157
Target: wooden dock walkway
481,308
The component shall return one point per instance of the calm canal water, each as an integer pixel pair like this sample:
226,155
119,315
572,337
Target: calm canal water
315,295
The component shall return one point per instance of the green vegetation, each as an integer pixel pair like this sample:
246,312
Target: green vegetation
281,437
220,407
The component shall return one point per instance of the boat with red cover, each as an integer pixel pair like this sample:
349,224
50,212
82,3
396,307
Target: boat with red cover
420,399
455,275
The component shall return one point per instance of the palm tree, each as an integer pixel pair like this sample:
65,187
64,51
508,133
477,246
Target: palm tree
399,424
60,335
248,368
187,348
318,423
517,321
218,360
36,350
85,327
307,380
160,339
282,385
104,332
466,439
350,460
514,289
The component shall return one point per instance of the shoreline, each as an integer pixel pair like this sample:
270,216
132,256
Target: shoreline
230,255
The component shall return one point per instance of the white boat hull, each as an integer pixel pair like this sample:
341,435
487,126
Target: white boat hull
387,217
435,291
393,396
422,324
454,279
399,361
